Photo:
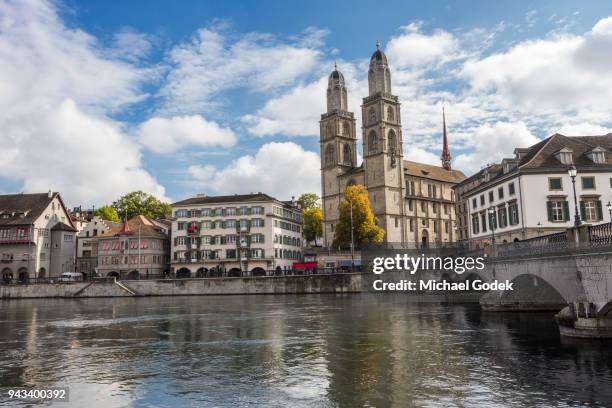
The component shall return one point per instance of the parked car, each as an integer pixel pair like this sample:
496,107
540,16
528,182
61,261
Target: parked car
71,277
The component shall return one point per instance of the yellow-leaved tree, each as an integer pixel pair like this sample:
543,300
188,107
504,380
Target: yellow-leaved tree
365,226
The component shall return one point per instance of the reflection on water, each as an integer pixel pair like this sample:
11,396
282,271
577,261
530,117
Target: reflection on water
298,351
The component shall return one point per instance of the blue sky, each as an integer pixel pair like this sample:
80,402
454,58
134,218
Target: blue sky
175,98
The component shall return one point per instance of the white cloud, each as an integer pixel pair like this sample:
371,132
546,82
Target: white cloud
581,129
414,48
561,74
57,88
213,62
167,135
282,170
494,142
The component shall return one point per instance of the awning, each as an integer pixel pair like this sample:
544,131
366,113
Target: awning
304,265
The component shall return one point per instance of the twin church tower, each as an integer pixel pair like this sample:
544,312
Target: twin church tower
383,169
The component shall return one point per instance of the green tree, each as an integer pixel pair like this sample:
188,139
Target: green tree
365,227
312,227
106,212
308,200
141,203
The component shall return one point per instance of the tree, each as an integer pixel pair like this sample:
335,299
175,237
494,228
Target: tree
312,227
141,203
106,212
308,200
365,227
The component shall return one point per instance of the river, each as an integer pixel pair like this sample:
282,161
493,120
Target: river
296,351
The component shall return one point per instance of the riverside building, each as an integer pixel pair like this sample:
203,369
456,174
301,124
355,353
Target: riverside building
532,193
234,234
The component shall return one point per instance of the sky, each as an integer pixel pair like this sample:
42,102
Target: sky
177,98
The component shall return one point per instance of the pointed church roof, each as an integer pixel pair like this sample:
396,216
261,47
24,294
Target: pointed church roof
125,228
446,157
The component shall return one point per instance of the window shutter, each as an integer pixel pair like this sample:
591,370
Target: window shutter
549,211
599,210
582,211
566,214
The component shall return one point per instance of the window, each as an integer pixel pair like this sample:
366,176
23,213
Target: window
372,115
434,207
502,215
179,226
411,190
411,223
511,189
392,142
491,197
329,155
346,154
500,193
475,225
588,183
373,143
423,206
558,211
591,210
390,114
555,184
482,200
410,206
513,214
474,203
483,219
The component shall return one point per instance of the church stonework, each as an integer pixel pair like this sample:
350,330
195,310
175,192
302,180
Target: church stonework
383,171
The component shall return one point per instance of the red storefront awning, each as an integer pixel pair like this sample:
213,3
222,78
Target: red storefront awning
304,265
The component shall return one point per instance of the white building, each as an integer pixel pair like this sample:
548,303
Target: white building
235,234
37,237
532,193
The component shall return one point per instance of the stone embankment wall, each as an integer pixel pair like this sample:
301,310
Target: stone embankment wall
340,283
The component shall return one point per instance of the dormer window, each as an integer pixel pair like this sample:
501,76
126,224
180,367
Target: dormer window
597,155
565,156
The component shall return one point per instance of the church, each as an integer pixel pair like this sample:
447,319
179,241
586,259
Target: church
412,202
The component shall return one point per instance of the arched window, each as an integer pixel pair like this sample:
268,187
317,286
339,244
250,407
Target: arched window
372,143
329,155
372,115
392,140
346,154
346,129
390,114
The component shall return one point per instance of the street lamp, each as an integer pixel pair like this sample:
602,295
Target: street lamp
609,207
492,223
572,173
539,228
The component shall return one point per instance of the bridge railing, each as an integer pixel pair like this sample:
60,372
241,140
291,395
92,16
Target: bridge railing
545,244
601,234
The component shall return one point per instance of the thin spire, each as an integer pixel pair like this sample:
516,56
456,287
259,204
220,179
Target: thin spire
335,66
377,45
446,157
125,228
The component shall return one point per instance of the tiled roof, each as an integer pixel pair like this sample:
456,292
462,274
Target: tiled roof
432,172
542,154
60,226
141,223
23,208
236,198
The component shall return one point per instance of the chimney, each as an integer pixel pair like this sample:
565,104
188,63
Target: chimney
49,194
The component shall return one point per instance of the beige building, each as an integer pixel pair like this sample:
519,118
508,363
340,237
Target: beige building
234,234
415,217
37,238
87,243
138,248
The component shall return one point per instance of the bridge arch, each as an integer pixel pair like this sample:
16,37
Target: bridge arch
532,289
183,273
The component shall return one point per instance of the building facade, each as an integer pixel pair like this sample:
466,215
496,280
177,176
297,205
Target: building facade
235,234
87,244
383,171
37,238
140,247
532,193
